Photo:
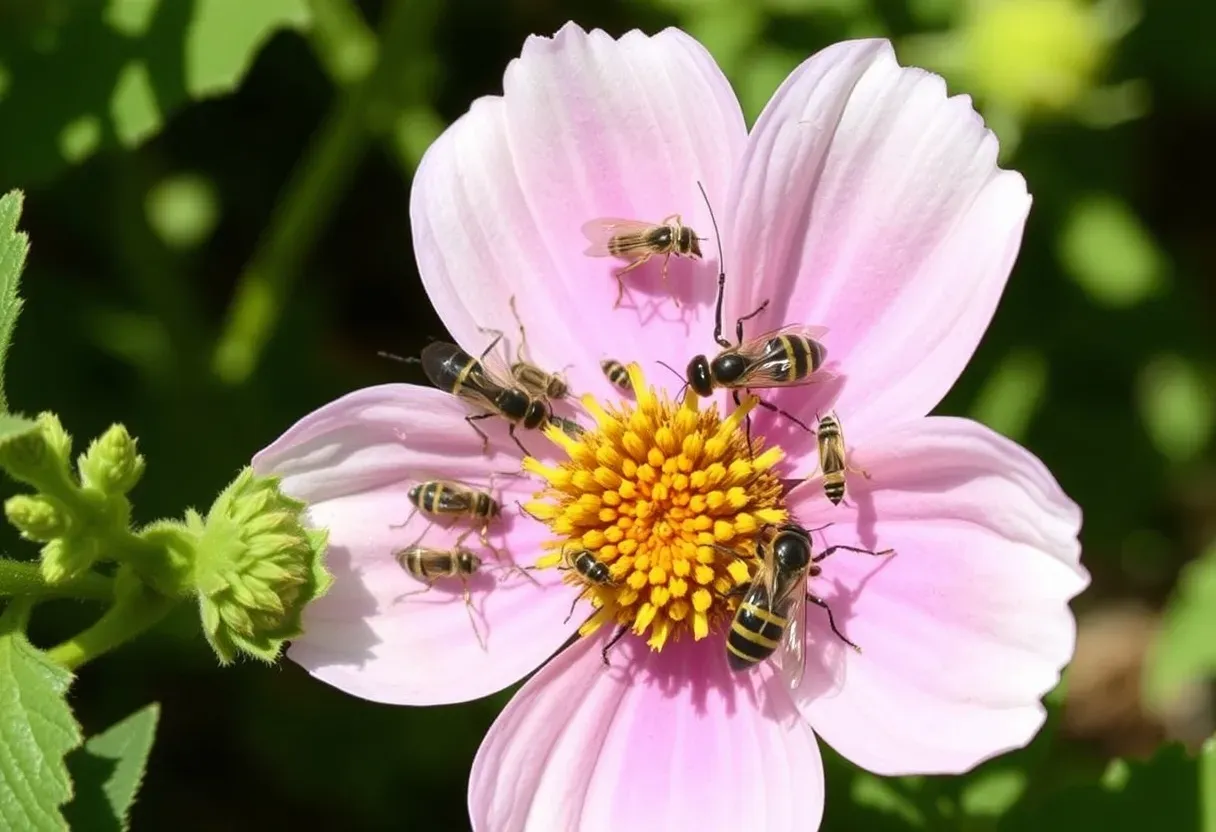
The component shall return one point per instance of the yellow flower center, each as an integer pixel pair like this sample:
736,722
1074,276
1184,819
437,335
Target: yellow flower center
670,498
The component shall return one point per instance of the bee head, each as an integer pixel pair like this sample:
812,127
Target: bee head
415,493
690,242
700,379
468,562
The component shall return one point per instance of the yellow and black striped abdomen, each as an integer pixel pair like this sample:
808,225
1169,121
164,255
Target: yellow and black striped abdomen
616,373
428,564
796,353
442,498
755,634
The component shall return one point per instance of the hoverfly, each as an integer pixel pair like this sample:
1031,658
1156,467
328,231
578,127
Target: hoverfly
616,373
568,426
832,458
443,498
431,565
594,572
639,241
772,613
535,380
455,371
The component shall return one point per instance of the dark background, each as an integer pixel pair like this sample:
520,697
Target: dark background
1099,360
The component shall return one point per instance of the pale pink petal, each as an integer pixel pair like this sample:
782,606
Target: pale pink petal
966,626
588,127
869,202
354,461
665,740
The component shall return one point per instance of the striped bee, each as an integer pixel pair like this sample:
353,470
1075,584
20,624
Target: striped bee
638,241
431,565
616,372
443,498
832,458
772,613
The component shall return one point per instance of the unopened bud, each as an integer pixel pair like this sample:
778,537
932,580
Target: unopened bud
36,516
112,464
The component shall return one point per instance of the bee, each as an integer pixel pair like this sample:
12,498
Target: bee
594,572
452,369
535,380
638,242
832,455
431,565
615,372
442,498
569,427
772,613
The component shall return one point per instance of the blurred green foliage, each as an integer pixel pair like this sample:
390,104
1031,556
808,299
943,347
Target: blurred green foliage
217,197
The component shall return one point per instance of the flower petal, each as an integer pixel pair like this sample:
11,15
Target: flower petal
666,740
354,461
588,127
871,203
966,626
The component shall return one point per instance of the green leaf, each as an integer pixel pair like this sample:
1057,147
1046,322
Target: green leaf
1185,652
145,59
14,245
108,772
1162,793
36,732
13,426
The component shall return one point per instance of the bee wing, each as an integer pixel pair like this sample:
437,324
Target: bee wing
831,456
481,386
792,654
769,369
602,230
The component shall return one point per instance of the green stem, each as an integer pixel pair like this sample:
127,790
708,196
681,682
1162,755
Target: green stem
1207,785
345,45
315,187
24,580
16,615
131,615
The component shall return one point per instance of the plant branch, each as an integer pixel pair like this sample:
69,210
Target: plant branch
19,579
132,614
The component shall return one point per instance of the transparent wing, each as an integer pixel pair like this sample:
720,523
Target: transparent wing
792,653
831,454
629,234
480,388
756,345
771,367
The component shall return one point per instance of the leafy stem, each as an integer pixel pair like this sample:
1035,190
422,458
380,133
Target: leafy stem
137,609
19,579
309,199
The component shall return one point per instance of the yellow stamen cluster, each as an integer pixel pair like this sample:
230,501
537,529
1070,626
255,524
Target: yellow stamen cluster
670,498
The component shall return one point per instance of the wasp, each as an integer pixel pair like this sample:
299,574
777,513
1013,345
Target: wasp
772,613
455,371
431,565
832,455
639,241
616,373
443,498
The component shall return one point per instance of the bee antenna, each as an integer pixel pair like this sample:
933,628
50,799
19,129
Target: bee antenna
394,357
713,220
721,269
674,371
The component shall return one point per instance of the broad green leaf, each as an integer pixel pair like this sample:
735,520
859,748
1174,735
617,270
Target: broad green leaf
108,772
145,59
11,426
1185,652
36,732
14,245
1162,793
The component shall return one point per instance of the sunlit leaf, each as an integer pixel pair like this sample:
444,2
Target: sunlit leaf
1105,248
14,245
144,60
108,772
36,732
992,793
1186,649
1012,394
1178,405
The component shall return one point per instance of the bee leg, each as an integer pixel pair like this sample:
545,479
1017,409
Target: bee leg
485,440
493,343
511,431
672,220
667,285
468,606
620,284
819,528
747,317
521,352
832,549
772,407
406,522
426,588
617,636
574,604
819,602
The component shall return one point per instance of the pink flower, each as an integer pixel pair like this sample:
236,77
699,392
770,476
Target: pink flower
864,200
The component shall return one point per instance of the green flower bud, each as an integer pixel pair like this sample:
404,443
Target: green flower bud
39,457
111,464
67,557
256,567
36,516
